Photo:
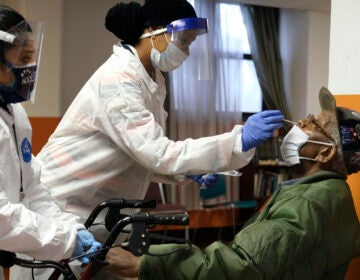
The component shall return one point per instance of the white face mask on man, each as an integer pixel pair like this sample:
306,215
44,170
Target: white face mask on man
292,143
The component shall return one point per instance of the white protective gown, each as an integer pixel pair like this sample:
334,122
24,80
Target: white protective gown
34,226
111,141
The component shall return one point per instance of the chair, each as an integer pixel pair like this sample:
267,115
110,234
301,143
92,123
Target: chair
218,192
156,192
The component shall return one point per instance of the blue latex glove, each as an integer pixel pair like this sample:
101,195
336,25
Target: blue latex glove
205,180
85,243
260,127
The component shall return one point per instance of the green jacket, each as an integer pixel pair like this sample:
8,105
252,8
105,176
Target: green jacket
308,230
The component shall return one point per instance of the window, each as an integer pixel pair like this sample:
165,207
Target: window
233,58
234,88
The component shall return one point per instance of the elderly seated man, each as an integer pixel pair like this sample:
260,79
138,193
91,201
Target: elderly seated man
308,229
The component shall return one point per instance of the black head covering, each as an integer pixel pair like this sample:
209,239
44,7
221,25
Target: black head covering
345,132
127,21
162,12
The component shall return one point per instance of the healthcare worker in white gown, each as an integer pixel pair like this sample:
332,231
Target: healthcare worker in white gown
31,222
111,142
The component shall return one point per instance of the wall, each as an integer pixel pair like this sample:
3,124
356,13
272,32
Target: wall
318,58
86,44
304,44
293,46
345,57
344,78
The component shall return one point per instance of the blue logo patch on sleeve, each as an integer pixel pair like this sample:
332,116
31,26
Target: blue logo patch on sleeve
26,150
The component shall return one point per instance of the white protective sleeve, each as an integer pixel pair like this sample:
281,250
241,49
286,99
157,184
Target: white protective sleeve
22,230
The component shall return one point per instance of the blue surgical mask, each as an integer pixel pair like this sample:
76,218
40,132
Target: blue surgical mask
292,143
22,86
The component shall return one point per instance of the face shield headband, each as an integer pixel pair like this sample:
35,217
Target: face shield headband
186,32
21,55
199,25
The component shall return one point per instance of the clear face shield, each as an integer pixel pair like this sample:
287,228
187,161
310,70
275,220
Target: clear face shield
189,36
21,48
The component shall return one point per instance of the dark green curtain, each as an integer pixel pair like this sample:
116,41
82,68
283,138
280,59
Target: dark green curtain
263,31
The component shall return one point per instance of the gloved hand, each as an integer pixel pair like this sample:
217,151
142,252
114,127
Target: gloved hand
205,180
85,243
260,127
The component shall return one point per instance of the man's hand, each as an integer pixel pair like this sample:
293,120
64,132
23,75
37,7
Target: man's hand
122,263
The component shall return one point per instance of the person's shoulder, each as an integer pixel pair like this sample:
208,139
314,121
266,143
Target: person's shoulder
18,111
121,63
328,192
317,187
123,55
321,179
328,180
114,70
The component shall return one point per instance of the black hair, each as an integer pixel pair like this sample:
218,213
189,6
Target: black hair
9,19
128,21
125,21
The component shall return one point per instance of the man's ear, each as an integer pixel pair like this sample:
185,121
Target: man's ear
326,154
